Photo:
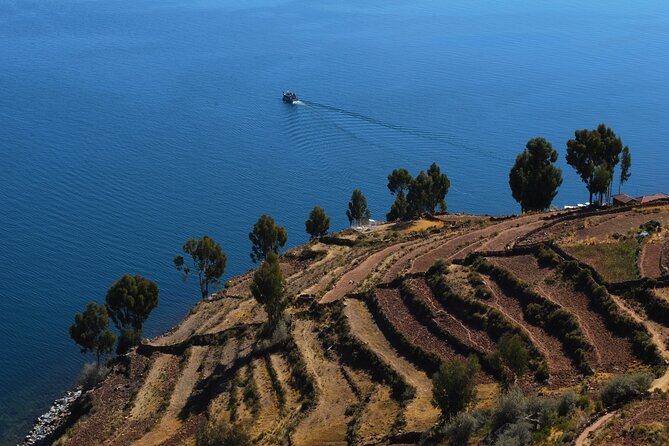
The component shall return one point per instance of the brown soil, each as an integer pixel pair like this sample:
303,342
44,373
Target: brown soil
611,353
649,259
353,278
497,237
404,260
400,317
154,393
419,414
449,248
560,367
508,237
664,258
109,408
327,422
597,227
469,335
640,423
246,312
621,224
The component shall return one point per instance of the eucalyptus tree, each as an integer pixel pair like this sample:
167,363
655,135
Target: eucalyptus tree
266,237
625,165
208,261
358,212
534,179
129,302
91,331
318,223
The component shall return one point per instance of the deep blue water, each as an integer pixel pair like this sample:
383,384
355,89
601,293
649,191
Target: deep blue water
127,127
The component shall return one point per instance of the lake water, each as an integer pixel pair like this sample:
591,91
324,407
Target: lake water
127,127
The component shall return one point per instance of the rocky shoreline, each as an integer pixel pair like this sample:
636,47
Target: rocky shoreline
48,423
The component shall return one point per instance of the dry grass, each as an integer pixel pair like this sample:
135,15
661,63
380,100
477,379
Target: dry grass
327,422
615,261
419,413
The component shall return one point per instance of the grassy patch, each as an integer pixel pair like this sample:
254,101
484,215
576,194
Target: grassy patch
616,262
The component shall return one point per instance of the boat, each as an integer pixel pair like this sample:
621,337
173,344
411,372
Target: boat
289,97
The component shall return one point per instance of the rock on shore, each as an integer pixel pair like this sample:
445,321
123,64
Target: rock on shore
48,423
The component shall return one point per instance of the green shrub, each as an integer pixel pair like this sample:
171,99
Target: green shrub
516,434
651,226
460,429
454,386
566,404
547,257
510,408
623,388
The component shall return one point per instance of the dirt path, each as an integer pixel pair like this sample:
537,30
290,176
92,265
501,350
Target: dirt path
420,415
171,422
649,259
353,278
327,422
584,439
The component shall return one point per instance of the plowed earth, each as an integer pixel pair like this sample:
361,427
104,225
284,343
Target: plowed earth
469,335
417,334
494,237
611,353
649,259
560,367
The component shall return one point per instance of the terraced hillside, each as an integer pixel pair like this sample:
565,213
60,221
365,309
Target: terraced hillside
373,316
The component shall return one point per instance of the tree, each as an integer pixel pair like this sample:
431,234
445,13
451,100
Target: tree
318,224
601,179
399,210
439,189
534,179
358,211
399,182
91,331
208,260
591,149
266,237
420,195
454,386
130,301
625,165
513,354
612,145
583,152
269,290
